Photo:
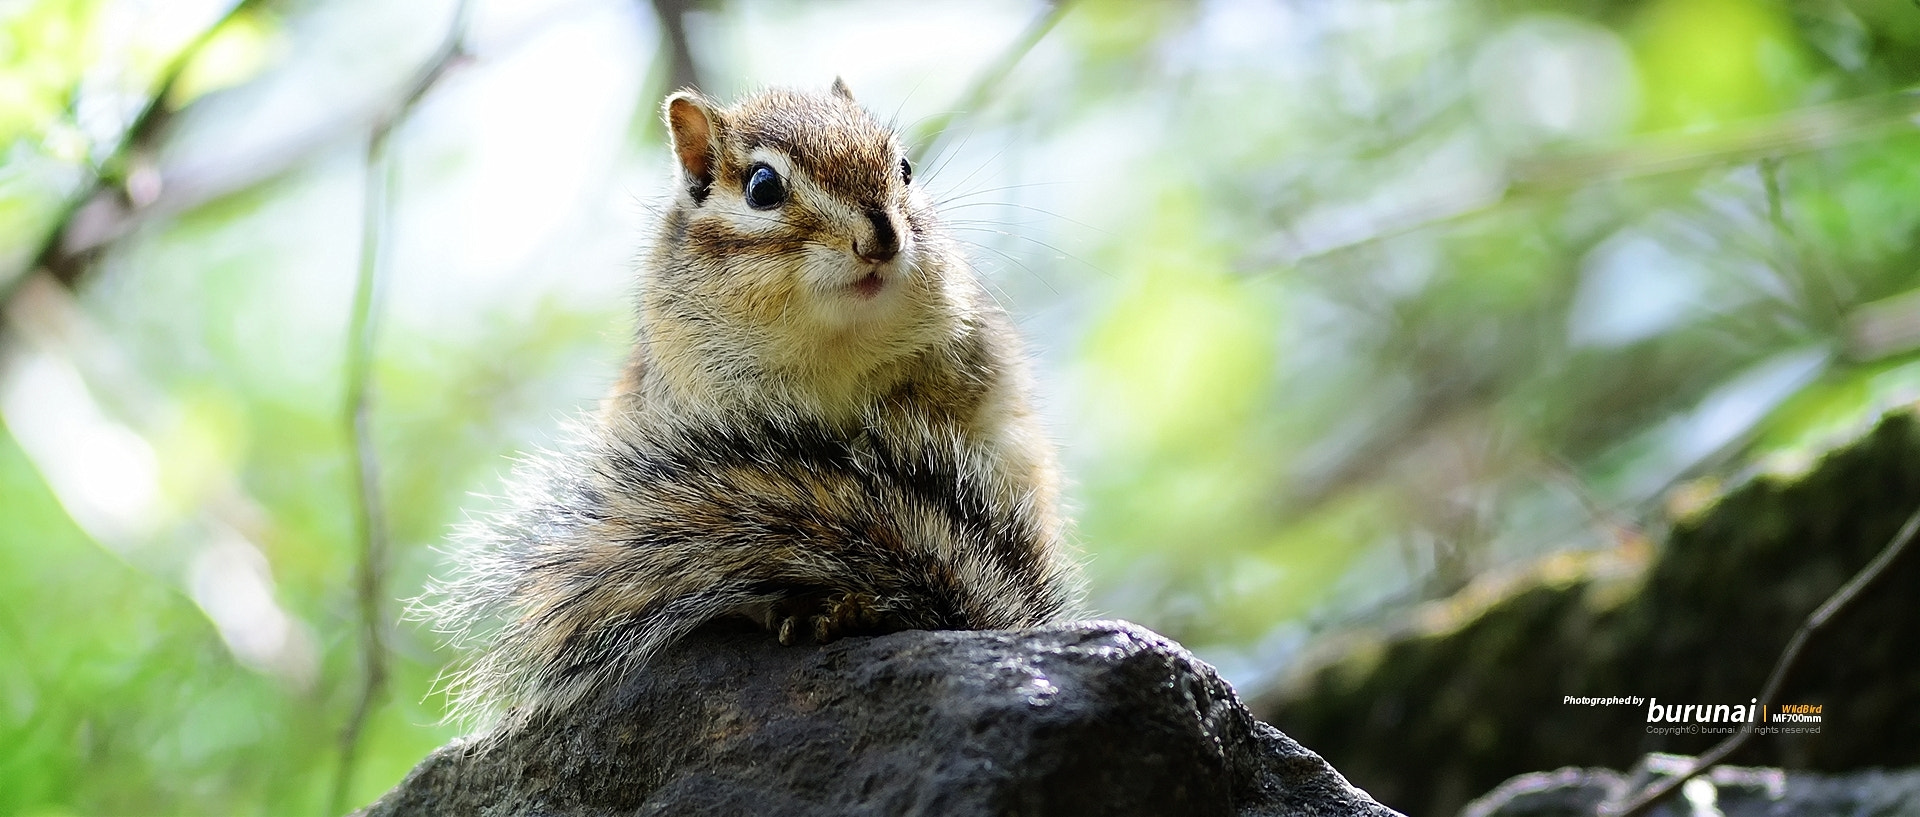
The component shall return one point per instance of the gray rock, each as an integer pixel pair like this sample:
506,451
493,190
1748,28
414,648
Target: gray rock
1092,718
1730,791
1467,692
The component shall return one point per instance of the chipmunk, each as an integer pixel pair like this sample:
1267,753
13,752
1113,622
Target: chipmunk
823,428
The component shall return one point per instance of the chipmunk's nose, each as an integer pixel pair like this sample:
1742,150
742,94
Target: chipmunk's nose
885,243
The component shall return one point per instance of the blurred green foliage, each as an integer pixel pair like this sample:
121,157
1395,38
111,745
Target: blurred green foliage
1335,305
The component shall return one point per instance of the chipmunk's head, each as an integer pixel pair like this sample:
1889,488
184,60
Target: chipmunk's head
801,200
796,234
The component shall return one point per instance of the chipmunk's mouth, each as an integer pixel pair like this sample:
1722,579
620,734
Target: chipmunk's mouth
868,287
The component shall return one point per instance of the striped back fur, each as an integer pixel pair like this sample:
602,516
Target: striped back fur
780,442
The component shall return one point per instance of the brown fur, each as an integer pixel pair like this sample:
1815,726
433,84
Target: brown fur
790,442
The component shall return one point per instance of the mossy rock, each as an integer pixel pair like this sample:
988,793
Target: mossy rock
1469,692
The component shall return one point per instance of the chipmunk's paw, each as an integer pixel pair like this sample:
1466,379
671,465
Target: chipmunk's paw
823,617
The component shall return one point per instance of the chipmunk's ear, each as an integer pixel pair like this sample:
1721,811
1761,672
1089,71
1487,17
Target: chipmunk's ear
694,127
841,90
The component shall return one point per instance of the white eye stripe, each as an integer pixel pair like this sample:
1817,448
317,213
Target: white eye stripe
742,217
780,162
848,221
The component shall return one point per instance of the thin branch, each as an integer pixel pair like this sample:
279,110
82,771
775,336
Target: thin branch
111,216
1834,604
1791,133
370,525
1799,131
106,176
935,134
681,70
1617,525
370,509
1819,293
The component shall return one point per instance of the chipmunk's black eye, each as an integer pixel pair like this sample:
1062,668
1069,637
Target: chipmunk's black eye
764,188
906,171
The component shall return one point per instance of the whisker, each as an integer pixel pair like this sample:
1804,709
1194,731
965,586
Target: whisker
1010,258
915,124
983,191
1059,253
946,156
1040,210
983,166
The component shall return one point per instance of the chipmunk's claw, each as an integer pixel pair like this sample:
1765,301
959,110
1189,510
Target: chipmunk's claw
822,618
